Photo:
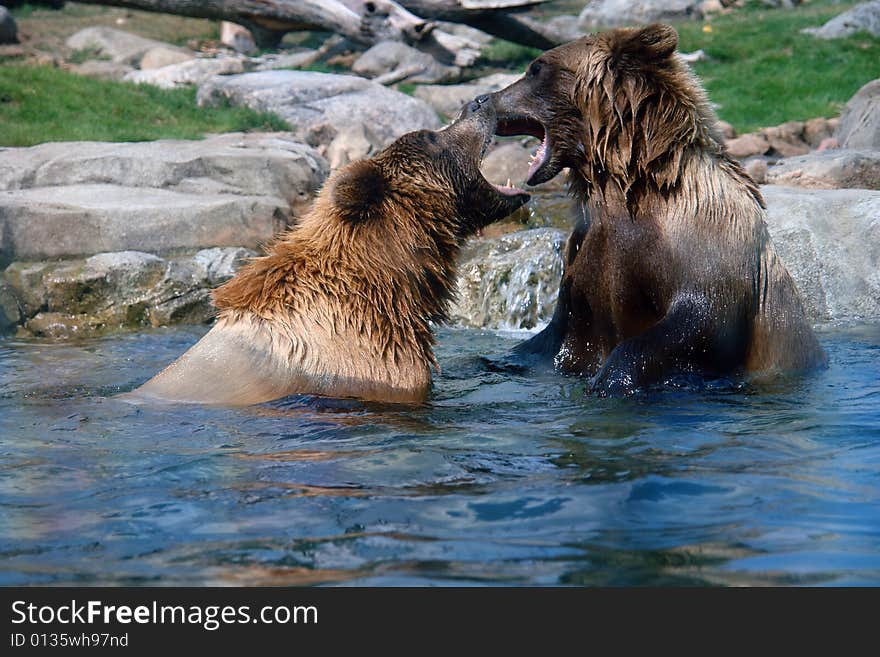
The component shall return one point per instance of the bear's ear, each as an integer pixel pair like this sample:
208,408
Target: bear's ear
359,190
653,43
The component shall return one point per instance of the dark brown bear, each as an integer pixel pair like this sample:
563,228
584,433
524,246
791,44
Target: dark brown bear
671,268
342,304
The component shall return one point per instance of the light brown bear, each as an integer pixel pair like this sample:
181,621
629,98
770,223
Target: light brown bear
342,304
671,268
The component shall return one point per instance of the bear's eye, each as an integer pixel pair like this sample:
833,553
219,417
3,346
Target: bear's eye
431,137
535,69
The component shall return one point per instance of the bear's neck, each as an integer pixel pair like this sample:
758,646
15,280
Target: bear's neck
630,189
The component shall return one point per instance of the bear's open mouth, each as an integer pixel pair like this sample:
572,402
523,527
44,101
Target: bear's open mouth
507,189
508,126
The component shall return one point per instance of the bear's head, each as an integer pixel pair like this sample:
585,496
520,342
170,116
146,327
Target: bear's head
615,106
432,178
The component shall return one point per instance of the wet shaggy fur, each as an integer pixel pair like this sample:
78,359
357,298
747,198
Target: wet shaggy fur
342,304
671,267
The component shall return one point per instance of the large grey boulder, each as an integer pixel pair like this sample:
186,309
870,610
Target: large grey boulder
510,282
254,164
119,290
415,66
187,73
118,46
448,99
864,17
319,105
8,28
76,220
830,242
859,125
613,13
828,169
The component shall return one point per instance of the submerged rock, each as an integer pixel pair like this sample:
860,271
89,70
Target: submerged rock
319,105
510,282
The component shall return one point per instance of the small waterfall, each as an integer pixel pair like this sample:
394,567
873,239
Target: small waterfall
510,282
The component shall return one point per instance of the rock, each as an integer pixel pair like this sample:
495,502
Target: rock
102,281
26,279
748,145
818,130
161,56
237,37
388,56
830,169
567,27
271,61
319,105
727,130
830,242
466,32
447,100
120,47
351,143
103,70
255,164
218,265
122,289
859,125
783,140
10,315
613,13
510,282
757,169
828,143
8,28
787,139
864,17
53,222
191,72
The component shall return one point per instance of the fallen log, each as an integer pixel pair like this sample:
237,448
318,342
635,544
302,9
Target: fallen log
363,21
495,17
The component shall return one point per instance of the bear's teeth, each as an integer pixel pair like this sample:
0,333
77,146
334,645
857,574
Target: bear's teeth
509,185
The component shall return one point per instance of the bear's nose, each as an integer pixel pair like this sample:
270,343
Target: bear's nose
475,105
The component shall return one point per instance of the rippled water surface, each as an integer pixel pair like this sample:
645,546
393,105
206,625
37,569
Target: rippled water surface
502,479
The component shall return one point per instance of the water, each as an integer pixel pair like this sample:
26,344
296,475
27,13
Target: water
502,479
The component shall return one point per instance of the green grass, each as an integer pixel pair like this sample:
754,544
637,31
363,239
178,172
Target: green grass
507,54
39,104
762,71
